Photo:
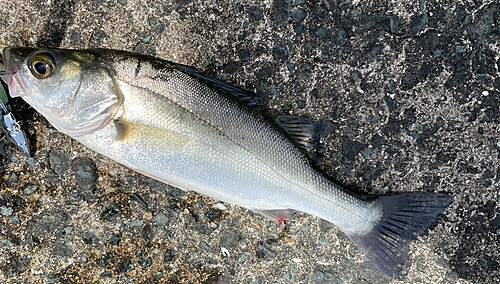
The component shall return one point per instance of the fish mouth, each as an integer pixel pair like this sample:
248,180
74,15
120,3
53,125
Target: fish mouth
9,66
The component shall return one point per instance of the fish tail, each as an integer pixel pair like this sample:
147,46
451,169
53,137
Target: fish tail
404,217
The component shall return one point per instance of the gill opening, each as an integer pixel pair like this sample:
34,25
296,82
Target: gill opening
6,73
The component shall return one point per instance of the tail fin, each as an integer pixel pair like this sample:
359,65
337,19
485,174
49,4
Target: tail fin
405,216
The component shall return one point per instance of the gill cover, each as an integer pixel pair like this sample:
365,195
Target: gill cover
72,89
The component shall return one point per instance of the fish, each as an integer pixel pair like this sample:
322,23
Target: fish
183,127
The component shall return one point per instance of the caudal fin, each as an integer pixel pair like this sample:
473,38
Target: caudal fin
405,216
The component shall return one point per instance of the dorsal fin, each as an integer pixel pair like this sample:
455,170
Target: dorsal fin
300,130
245,97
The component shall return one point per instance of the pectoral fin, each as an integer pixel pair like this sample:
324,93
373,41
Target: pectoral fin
168,140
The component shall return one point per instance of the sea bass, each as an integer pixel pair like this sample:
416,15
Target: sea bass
180,126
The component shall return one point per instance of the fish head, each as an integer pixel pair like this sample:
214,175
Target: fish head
72,89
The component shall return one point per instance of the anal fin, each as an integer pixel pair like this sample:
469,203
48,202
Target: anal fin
278,215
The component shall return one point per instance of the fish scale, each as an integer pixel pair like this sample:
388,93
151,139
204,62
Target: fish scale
245,129
180,126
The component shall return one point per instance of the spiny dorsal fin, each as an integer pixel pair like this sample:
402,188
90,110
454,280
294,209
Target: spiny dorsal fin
245,97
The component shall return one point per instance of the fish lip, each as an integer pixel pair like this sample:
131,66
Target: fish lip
14,80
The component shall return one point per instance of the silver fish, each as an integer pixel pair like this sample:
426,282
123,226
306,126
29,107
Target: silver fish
180,126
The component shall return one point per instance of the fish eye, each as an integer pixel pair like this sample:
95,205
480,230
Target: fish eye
42,66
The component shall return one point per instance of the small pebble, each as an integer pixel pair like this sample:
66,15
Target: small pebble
13,158
59,161
52,279
348,173
74,193
275,93
242,259
204,245
2,146
355,76
280,53
367,153
145,262
169,256
136,223
220,206
244,55
256,13
105,274
212,261
318,276
318,32
301,104
6,211
85,172
114,240
299,15
63,250
160,28
372,119
323,241
460,49
31,162
298,29
147,38
173,210
148,233
6,243
392,85
13,180
30,189
395,24
18,265
161,219
68,230
15,220
414,135
213,213
265,253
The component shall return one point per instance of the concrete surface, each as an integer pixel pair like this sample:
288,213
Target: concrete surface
406,94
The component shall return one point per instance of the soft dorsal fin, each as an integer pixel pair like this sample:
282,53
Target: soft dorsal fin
300,130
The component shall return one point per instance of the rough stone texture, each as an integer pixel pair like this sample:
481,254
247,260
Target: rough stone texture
85,172
406,96
59,161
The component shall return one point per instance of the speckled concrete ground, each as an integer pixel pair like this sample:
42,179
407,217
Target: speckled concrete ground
406,94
